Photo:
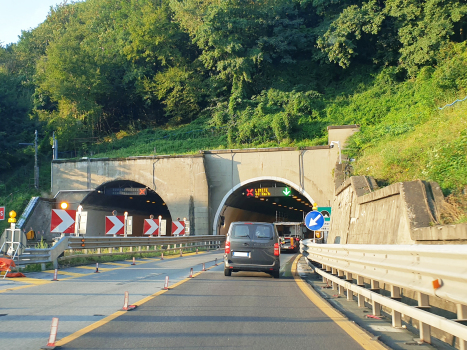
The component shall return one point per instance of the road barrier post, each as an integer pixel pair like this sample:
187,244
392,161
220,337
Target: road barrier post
191,273
134,262
166,284
162,256
97,268
53,334
127,307
55,275
204,268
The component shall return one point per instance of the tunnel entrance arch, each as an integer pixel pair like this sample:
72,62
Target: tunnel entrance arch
139,200
237,189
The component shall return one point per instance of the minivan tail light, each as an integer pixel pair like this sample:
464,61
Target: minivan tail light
276,249
227,247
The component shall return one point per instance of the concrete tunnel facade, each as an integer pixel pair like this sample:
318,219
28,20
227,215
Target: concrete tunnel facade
197,187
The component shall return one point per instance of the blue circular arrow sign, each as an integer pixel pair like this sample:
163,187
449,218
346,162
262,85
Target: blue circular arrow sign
314,220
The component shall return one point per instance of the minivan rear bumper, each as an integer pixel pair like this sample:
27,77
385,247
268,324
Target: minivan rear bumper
251,267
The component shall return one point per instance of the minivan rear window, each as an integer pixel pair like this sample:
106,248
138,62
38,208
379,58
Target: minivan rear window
253,231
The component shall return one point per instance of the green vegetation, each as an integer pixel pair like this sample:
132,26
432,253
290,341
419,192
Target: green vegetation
121,78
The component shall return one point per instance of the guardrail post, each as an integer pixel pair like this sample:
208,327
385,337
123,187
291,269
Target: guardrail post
340,288
425,333
334,284
361,298
376,307
462,315
98,250
396,316
348,278
323,267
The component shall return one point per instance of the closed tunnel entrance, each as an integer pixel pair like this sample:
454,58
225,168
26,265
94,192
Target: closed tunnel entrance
123,196
263,201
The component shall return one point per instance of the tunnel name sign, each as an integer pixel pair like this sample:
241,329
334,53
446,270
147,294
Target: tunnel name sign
268,192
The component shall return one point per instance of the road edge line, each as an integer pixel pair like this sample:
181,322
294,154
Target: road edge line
351,328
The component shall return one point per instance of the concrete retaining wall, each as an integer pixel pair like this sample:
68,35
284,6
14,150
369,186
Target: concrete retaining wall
402,213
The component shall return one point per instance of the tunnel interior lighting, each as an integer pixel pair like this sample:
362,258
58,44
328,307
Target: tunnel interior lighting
274,203
298,199
153,202
148,201
131,197
294,197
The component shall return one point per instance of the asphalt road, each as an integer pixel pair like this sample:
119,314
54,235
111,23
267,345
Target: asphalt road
82,297
247,310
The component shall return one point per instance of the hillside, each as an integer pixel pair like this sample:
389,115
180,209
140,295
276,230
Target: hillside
121,78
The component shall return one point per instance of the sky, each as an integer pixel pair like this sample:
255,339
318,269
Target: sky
17,15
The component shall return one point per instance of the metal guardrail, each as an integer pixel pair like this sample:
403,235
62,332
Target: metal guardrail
51,255
117,242
439,271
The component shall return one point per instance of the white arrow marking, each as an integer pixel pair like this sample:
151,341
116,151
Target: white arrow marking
313,222
67,221
153,227
117,225
179,227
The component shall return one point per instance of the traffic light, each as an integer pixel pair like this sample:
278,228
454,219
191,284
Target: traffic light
318,234
63,205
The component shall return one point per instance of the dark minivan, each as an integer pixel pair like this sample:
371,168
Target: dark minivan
252,246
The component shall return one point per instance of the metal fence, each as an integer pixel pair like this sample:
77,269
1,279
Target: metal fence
438,271
93,246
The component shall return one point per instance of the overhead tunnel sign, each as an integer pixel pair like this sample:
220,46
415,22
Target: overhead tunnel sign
268,192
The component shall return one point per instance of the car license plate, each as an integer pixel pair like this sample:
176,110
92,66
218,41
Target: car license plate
241,254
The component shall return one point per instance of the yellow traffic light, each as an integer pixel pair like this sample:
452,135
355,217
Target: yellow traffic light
318,234
315,206
63,205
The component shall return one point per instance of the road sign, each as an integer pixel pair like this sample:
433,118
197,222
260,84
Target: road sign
151,227
178,228
130,191
2,213
314,220
326,212
268,192
63,221
114,225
